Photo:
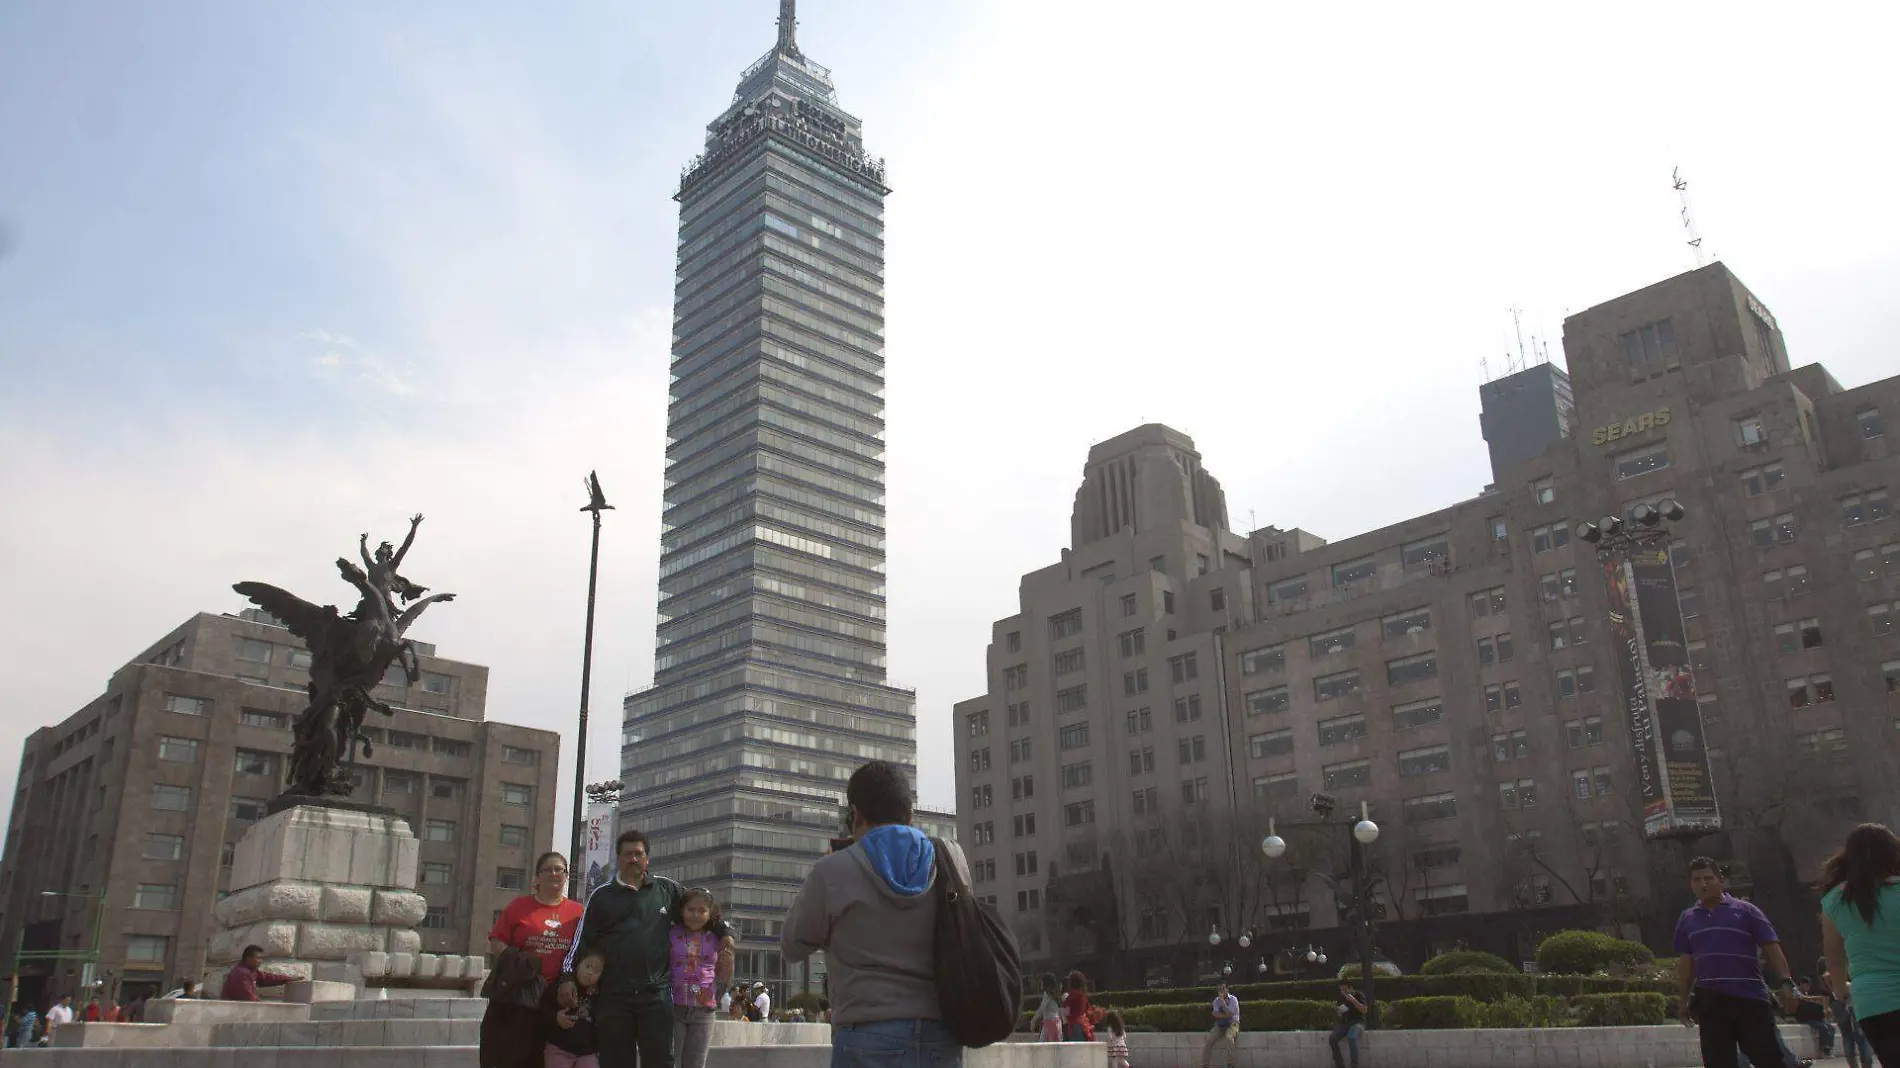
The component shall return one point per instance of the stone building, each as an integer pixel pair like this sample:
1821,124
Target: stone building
142,795
1169,686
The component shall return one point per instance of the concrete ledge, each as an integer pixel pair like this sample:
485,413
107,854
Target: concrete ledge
183,1011
735,1033
1668,1046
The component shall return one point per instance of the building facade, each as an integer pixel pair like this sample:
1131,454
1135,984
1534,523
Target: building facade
1169,687
769,673
128,811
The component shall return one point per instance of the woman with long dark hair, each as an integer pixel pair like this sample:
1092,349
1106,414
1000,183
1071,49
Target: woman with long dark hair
1860,928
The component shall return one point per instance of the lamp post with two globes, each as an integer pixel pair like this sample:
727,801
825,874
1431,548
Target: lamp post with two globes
1359,835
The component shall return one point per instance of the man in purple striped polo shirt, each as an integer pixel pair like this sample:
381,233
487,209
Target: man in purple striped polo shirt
1719,973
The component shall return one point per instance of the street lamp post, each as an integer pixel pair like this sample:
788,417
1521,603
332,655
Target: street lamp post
596,504
1359,835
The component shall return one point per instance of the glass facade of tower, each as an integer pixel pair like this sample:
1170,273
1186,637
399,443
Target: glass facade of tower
769,673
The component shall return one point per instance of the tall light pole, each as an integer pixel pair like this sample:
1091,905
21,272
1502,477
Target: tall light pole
1359,835
596,504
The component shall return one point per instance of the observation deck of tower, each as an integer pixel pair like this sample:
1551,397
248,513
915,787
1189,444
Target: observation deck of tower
769,671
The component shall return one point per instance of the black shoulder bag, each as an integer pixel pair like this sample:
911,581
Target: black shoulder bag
979,973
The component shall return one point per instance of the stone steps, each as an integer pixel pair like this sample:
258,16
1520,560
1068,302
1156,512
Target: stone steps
1011,1055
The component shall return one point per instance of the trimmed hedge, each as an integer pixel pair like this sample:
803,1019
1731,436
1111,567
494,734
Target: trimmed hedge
1542,1010
1586,952
1254,1016
1432,1014
1623,1010
1483,986
1467,960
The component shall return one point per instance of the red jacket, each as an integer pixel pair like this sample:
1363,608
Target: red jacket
242,983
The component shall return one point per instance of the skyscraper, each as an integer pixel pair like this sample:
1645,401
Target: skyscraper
769,673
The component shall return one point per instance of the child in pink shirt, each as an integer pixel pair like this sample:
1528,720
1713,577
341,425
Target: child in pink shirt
697,976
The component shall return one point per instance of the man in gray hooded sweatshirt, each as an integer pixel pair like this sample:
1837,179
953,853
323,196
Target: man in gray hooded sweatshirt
873,909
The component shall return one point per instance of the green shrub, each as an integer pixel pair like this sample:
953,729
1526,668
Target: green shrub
1466,960
1622,1010
1587,952
1287,1015
1539,1010
1479,986
1573,985
1254,1016
1430,1014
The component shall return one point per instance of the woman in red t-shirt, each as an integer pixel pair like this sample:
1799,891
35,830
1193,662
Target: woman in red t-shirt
541,924
1076,1025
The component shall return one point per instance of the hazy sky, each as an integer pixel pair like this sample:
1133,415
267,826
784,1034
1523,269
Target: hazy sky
273,274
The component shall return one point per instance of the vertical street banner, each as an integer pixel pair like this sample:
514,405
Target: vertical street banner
1659,694
599,846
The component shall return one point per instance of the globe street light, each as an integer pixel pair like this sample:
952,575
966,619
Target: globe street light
1273,846
1246,938
1213,936
1366,831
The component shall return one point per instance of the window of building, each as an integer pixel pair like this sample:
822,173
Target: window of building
511,878
1601,777
1868,421
1488,602
147,949
1651,347
1794,637
186,705
1217,599
1332,687
256,717
1066,625
252,762
512,835
511,793
1494,698
1077,775
1426,760
1287,590
1346,775
1759,480
1406,624
1777,531
1262,702
1327,644
1510,745
1822,742
252,651
1258,661
1020,751
180,750
1751,431
436,919
1013,641
1442,856
1587,731
1271,743
247,809
1354,571
1023,825
1880,619
1418,713
1141,761
1068,661
1805,690
1284,784
1187,709
1140,720
1342,729
1191,750
1430,807
511,754
1184,668
1411,669
1543,491
1074,736
443,788
1167,602
164,847
1425,552
438,831
1512,697
1134,682
1133,642
1078,814
1555,536
1869,507
1638,462
1500,531
1521,793
401,782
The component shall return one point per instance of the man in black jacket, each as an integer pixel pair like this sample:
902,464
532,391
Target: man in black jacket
630,919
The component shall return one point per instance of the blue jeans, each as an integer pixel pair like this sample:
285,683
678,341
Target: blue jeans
895,1044
1350,1032
1854,1044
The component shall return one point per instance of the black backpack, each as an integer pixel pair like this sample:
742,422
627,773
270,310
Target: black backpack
979,973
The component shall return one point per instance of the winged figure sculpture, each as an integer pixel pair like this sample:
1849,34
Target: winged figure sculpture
350,654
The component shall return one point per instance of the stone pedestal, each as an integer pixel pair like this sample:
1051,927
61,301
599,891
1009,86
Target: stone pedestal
313,885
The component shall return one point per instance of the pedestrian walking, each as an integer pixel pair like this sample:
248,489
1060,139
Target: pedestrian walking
1226,1029
629,918
530,940
1076,1023
1860,929
870,906
1117,1039
1047,1022
1721,942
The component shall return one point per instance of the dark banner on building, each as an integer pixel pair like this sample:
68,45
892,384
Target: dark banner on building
1659,694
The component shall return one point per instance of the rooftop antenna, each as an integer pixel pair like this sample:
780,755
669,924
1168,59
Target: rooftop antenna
1681,185
787,24
1518,326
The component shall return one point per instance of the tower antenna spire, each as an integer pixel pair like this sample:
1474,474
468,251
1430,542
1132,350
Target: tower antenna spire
787,25
1681,185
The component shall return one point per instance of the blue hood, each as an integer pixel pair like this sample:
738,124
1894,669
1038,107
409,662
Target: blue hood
902,856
